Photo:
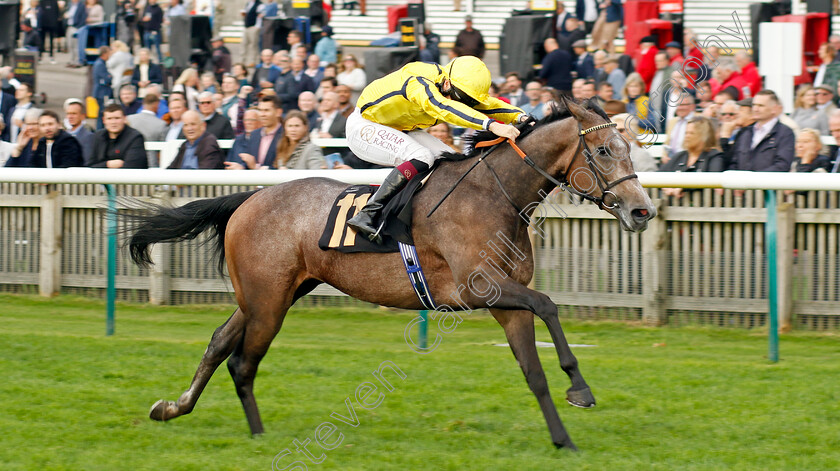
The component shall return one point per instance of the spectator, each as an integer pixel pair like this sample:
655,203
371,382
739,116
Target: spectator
241,73
163,106
443,132
295,150
118,146
824,95
809,157
604,93
834,127
23,96
241,144
128,98
6,147
177,108
674,52
300,51
145,72
533,106
149,125
95,13
74,114
424,54
559,20
262,149
49,24
731,80
728,118
575,34
293,39
265,73
494,92
805,112
119,62
577,88
298,83
230,101
126,22
187,84
151,22
587,90
217,124
469,41
767,145
584,64
352,76
557,66
701,152
514,92
587,11
598,60
270,10
825,73
432,42
207,83
8,82
607,24
328,84
7,106
31,37
330,124
676,127
645,60
326,48
660,77
307,104
345,107
692,47
201,149
633,94
282,61
749,72
253,25
834,40
732,131
641,158
704,96
26,145
102,90
221,58
314,69
615,76
74,18
56,148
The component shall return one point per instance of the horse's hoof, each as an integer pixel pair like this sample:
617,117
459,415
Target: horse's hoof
580,398
568,445
158,410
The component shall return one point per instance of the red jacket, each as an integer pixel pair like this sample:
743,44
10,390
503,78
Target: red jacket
646,65
751,76
696,52
739,82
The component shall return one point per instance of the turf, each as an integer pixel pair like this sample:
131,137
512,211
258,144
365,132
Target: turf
668,398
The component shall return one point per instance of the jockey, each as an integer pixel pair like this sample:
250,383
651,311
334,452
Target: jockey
385,128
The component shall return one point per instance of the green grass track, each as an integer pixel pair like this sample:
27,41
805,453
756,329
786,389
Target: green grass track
668,398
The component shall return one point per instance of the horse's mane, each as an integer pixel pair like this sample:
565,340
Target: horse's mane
559,113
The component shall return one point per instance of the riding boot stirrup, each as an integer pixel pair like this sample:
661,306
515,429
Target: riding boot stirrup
364,221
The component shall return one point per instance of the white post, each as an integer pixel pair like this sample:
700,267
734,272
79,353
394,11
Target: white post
51,241
780,58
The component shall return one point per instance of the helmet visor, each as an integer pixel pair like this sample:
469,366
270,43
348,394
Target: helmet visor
458,95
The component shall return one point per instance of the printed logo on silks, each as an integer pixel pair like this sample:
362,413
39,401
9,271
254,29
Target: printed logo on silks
388,140
407,174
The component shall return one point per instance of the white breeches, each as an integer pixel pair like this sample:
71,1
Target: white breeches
383,145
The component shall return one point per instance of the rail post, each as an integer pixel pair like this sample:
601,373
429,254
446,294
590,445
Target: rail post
112,260
772,276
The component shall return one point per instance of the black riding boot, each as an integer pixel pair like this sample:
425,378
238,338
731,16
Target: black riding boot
365,221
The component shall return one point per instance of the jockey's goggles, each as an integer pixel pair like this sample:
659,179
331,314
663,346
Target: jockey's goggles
459,95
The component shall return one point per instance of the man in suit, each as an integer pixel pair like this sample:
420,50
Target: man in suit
201,150
74,116
767,145
262,147
250,122
117,145
145,72
102,82
217,124
56,149
149,125
515,93
330,123
584,64
297,82
7,104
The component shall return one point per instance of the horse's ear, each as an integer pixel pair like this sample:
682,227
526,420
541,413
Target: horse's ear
592,104
576,110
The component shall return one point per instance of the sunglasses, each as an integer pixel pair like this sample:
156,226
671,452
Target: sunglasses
205,102
728,114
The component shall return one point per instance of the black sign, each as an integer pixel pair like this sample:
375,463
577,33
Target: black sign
24,67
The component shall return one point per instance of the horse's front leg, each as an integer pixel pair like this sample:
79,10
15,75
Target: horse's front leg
511,295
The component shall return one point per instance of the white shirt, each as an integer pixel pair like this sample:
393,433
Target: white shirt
590,13
678,133
18,113
760,132
6,149
49,154
818,80
174,131
327,121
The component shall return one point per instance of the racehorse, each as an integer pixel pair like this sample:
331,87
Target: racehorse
270,269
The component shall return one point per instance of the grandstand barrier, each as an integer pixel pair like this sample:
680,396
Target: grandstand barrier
702,259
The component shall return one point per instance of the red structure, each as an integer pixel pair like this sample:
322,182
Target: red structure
815,28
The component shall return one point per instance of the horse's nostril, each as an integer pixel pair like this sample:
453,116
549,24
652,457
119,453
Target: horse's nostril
640,214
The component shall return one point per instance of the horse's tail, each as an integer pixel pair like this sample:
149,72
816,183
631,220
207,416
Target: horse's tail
165,224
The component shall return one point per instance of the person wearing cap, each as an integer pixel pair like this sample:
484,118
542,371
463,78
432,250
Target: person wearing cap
584,64
557,66
674,51
646,59
824,95
326,48
386,126
74,123
469,41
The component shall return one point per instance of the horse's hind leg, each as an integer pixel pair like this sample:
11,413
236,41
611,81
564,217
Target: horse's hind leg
224,339
243,363
519,329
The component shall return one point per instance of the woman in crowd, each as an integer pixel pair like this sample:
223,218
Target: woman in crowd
120,61
805,111
295,150
187,84
95,12
23,154
208,83
241,73
629,129
443,132
702,152
353,76
634,98
809,153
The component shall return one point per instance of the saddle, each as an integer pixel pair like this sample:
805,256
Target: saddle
396,214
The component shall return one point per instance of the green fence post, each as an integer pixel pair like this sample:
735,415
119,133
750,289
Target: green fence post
770,247
424,329
111,292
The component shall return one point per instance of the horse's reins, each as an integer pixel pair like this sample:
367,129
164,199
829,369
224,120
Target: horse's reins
603,184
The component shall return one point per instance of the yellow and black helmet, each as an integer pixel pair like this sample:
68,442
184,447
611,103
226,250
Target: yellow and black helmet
470,79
